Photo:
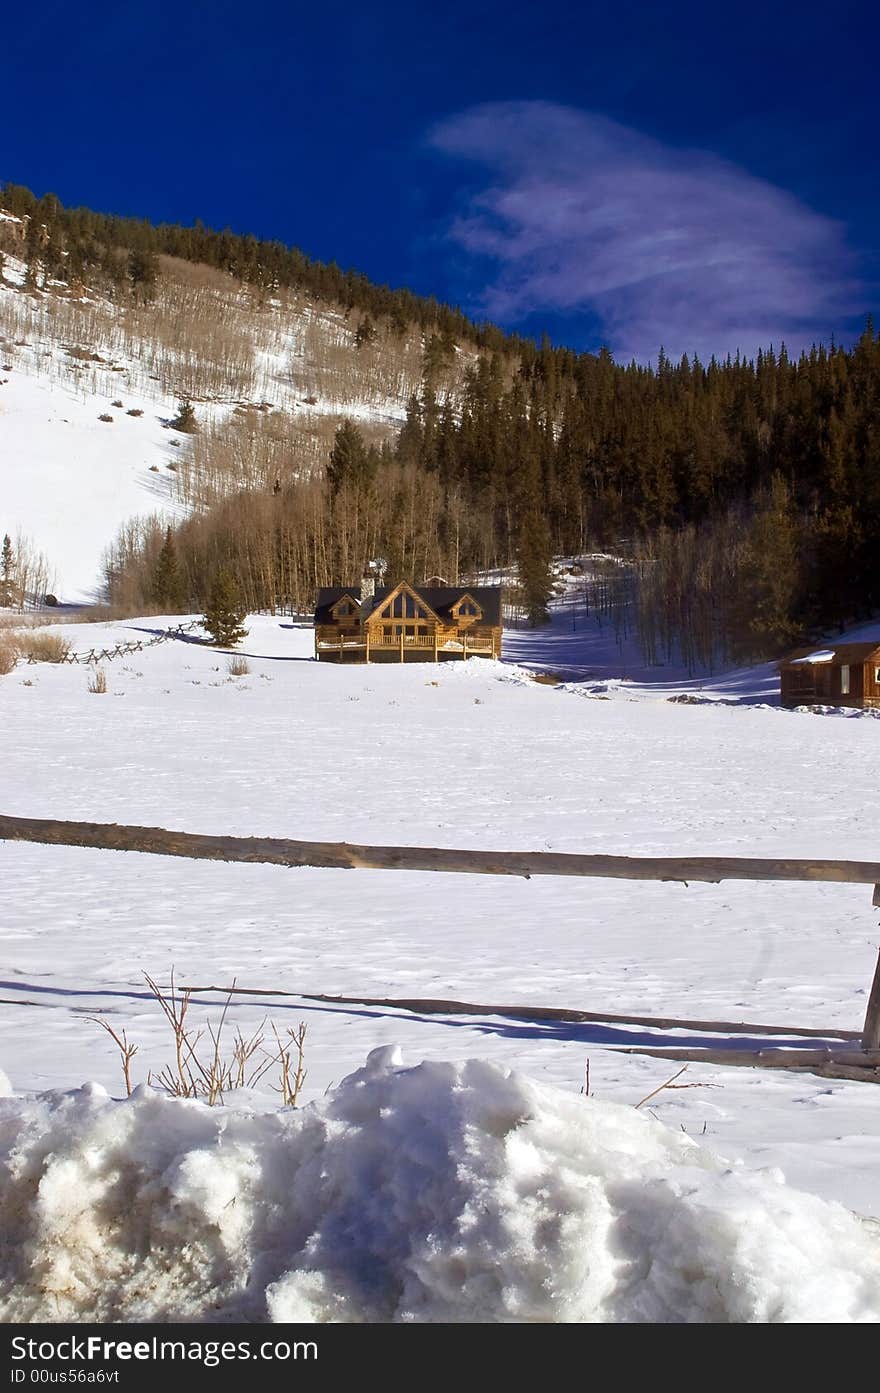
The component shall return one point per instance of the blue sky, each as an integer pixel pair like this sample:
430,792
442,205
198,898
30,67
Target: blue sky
636,174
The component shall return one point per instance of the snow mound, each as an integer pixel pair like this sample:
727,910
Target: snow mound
443,1192
850,713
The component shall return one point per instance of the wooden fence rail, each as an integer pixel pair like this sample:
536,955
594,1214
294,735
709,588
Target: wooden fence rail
278,851
120,650
347,856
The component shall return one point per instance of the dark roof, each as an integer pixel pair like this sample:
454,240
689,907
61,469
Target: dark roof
852,653
327,597
441,598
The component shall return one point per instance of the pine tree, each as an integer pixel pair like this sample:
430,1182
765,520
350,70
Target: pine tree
769,588
168,586
534,554
143,272
365,332
225,612
350,461
185,420
7,571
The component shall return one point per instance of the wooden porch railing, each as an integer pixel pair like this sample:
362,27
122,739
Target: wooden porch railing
329,639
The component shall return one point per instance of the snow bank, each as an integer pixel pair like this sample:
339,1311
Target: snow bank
436,1193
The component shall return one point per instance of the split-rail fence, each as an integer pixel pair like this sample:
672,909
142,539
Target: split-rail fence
859,1059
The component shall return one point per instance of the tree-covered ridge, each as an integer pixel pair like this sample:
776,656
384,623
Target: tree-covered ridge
120,253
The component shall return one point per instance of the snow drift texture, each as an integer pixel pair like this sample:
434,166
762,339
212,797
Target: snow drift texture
441,1192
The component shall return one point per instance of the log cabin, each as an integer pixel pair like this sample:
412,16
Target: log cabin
407,623
843,674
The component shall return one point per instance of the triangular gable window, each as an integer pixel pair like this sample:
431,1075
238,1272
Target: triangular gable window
403,604
467,608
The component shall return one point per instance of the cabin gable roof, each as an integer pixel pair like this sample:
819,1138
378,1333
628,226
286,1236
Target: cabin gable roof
328,598
487,597
440,602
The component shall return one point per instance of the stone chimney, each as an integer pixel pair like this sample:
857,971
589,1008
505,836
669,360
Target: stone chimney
368,579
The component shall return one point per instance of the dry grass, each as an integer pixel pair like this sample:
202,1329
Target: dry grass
38,647
238,667
8,654
25,621
94,614
204,1066
98,682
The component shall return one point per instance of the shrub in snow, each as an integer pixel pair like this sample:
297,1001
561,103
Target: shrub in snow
444,1192
105,417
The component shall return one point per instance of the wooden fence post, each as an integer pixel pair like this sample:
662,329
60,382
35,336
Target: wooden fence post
871,1030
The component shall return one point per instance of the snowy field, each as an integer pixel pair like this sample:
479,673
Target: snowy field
472,755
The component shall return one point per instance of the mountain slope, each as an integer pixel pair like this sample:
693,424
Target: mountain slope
69,481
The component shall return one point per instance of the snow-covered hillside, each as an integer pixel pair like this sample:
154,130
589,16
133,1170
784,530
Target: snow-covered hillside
69,480
473,755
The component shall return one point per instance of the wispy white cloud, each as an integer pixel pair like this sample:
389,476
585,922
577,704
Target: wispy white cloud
665,246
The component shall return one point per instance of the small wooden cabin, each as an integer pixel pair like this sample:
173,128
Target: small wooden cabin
407,623
843,674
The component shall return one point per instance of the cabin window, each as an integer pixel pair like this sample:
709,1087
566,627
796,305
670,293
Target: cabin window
468,609
404,606
844,679
386,629
410,630
877,674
